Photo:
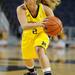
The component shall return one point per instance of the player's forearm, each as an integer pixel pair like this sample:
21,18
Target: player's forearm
30,25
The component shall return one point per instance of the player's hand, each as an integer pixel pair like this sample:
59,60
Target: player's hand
45,21
41,24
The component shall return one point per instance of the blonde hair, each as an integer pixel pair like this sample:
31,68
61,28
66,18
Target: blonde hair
51,3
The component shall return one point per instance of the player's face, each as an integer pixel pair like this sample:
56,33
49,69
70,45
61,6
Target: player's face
30,3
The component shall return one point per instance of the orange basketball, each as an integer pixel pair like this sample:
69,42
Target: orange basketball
53,26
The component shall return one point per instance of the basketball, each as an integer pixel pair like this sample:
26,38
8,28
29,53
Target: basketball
53,26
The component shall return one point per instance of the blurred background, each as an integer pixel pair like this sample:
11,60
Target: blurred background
60,51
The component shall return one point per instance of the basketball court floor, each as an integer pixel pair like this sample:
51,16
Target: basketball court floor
11,62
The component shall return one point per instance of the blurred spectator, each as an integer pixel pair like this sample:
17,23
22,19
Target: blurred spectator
59,48
4,28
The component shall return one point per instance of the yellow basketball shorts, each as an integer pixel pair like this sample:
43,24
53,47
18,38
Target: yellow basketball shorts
30,41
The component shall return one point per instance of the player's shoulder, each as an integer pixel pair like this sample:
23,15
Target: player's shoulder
48,10
46,7
21,7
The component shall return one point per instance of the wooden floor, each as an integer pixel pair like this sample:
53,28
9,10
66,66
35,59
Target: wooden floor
58,69
11,56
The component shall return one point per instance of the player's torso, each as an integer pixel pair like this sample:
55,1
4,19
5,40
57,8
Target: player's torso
40,17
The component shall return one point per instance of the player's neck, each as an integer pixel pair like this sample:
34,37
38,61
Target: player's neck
34,11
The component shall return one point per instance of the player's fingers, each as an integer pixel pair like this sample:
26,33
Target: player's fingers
46,19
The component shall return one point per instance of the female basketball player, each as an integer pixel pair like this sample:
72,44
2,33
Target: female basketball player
34,40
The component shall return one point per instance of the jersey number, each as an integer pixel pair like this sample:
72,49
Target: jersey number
34,31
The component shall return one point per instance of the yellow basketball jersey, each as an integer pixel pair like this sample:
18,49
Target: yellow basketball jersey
40,17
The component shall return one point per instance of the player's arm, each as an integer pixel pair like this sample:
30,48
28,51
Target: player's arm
48,11
22,19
